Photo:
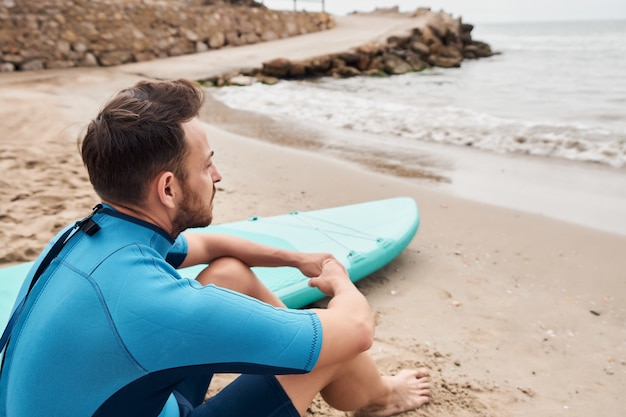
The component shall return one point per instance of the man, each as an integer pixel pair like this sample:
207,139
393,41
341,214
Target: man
111,329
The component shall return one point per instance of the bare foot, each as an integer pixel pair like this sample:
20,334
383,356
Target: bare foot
409,389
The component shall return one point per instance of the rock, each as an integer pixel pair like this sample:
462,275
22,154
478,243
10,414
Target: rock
79,47
443,62
345,72
319,66
34,65
416,62
269,36
250,38
483,49
217,40
60,64
398,42
201,47
297,69
451,51
267,79
350,58
241,80
7,67
233,39
431,40
419,48
364,61
370,48
278,67
89,60
374,73
466,27
107,59
393,64
13,58
191,35
63,48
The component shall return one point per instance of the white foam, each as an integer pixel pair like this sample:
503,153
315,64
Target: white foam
326,103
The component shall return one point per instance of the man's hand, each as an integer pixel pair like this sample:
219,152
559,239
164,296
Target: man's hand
332,278
311,264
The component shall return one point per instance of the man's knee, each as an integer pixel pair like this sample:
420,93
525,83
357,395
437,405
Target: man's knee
226,272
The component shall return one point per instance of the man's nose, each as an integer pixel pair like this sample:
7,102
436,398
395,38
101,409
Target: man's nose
216,176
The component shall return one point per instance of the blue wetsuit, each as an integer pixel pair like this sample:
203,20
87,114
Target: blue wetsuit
111,329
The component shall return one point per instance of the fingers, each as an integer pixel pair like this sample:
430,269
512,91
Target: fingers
312,264
333,261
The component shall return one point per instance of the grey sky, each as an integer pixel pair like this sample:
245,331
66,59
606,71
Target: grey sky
478,11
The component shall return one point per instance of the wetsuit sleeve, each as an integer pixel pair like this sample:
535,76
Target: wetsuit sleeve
178,252
173,323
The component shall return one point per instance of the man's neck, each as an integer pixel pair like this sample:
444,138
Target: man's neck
150,216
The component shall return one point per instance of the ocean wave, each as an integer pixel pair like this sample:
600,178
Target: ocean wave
330,104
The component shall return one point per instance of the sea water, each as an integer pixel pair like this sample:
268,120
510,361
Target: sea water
556,90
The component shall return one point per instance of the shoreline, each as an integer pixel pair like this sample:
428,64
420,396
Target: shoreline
559,189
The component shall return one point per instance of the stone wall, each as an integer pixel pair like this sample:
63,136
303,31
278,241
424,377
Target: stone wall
44,34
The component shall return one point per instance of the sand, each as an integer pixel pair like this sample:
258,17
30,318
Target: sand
515,313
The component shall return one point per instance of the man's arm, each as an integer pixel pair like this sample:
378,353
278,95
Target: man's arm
206,247
347,323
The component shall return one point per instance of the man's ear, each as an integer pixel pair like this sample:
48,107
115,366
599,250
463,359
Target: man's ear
167,188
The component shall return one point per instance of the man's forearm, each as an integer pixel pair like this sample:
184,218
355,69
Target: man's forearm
204,248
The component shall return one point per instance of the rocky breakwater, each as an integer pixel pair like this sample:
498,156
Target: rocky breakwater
43,34
436,40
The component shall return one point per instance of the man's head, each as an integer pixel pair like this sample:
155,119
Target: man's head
147,143
138,134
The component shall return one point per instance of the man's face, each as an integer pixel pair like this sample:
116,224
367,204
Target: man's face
196,207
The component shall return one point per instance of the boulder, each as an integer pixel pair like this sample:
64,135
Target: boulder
297,69
419,48
34,65
393,64
443,62
319,66
7,67
217,40
278,67
344,72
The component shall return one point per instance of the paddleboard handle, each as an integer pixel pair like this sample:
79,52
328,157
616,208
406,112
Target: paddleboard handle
384,242
355,257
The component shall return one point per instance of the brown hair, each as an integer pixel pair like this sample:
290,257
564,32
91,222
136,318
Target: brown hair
137,135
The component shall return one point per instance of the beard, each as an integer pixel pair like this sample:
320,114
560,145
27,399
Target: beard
193,211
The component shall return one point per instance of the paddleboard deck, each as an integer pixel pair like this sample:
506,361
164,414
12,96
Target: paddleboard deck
364,237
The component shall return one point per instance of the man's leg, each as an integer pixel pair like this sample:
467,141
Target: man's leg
233,274
358,385
249,396
353,385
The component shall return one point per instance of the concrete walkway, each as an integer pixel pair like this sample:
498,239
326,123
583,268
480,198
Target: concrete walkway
351,31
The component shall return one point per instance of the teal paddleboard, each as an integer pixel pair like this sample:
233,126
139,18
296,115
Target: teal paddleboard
363,237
